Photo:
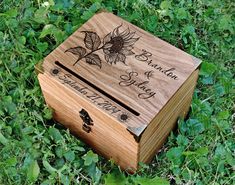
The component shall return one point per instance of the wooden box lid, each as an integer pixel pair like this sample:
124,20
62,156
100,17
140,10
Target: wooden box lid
133,69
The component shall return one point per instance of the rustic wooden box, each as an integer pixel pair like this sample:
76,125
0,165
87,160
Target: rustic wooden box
118,88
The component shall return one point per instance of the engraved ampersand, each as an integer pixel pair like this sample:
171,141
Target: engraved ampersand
130,79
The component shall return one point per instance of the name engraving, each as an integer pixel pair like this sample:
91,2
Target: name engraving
130,79
145,56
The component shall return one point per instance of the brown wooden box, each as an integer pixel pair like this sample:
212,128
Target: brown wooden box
118,88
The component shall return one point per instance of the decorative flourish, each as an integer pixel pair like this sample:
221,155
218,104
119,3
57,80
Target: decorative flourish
116,46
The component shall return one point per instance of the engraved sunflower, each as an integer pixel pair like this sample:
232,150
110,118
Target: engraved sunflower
117,45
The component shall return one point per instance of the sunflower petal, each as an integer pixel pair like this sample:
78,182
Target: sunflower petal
126,52
107,45
107,38
128,47
110,58
125,33
129,36
116,31
115,57
106,51
120,58
130,42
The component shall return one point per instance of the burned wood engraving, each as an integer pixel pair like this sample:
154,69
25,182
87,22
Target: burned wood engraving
116,46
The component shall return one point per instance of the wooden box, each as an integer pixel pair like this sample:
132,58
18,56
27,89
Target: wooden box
119,88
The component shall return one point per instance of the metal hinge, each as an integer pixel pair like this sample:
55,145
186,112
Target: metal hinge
87,121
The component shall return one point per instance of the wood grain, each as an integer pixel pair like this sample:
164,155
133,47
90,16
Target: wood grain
108,77
132,84
160,127
107,137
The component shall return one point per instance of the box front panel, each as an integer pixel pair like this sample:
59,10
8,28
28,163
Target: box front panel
107,137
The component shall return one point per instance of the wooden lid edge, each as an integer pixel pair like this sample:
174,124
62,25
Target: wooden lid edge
137,131
102,10
39,68
197,61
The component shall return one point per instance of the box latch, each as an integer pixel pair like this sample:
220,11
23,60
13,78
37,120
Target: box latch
87,121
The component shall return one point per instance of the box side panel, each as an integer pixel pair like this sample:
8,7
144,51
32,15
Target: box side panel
107,137
157,131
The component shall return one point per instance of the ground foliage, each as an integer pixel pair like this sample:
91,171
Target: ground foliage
34,151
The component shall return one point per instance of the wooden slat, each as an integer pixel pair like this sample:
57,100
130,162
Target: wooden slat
107,137
158,130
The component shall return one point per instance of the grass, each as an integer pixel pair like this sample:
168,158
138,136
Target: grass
34,151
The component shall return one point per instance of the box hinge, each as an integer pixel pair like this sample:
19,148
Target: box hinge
136,132
87,121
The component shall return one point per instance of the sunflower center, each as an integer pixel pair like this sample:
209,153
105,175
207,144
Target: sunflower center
117,44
